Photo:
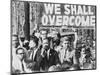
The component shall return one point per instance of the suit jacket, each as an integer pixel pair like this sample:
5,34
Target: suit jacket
43,62
31,60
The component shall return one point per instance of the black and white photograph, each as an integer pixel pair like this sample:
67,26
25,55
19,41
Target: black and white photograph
52,37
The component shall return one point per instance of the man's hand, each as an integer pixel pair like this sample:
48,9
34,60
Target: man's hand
43,53
31,65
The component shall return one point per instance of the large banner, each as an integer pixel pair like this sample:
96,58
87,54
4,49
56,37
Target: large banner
69,15
52,37
62,17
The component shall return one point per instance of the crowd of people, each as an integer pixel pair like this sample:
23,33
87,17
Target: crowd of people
43,53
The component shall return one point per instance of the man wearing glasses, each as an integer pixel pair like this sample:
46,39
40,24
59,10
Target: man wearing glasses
18,64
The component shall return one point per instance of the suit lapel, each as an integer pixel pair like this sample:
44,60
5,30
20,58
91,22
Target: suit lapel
50,55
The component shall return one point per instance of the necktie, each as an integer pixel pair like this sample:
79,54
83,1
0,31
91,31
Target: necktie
65,53
48,54
31,55
23,67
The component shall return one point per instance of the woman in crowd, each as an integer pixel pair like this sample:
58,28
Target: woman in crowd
67,55
85,59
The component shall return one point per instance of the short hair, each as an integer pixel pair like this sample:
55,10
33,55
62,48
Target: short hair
44,30
22,39
58,34
18,49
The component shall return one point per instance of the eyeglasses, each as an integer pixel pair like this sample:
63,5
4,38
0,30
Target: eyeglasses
21,53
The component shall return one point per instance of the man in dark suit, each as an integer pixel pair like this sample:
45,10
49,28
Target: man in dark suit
46,57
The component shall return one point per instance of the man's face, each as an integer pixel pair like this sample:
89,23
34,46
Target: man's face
45,44
83,51
65,44
21,54
32,44
14,41
43,34
54,34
